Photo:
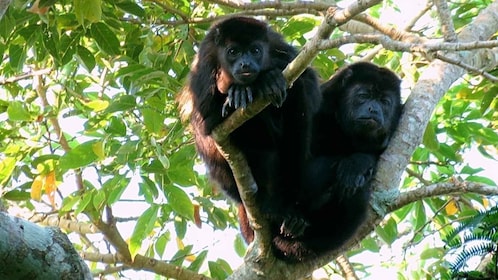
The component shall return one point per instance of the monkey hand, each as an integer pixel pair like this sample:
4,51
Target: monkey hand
293,226
273,86
355,172
238,96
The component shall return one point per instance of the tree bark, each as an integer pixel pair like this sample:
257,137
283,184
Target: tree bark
28,251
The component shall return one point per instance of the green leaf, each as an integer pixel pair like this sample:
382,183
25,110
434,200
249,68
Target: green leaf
17,111
430,139
144,226
181,169
153,120
7,25
17,195
180,228
179,201
99,200
106,38
84,202
116,126
388,232
240,245
218,270
79,156
419,215
7,165
90,10
370,244
46,3
17,56
68,202
122,103
219,218
432,253
195,266
161,242
131,8
97,105
85,58
482,180
50,42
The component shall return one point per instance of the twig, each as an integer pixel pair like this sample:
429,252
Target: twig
447,26
421,13
40,72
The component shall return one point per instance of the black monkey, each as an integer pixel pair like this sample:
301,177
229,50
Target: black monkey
239,59
360,110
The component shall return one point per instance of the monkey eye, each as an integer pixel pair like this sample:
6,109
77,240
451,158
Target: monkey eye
233,51
386,101
255,51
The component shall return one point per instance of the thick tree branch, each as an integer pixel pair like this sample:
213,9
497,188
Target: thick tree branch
30,251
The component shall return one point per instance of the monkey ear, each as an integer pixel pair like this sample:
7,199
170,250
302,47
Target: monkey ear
217,36
348,73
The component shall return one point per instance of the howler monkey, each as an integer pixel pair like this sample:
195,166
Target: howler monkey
240,59
358,115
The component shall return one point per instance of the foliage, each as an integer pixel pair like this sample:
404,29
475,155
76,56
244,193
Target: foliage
474,236
89,124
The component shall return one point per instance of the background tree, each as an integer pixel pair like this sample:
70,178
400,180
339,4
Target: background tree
90,139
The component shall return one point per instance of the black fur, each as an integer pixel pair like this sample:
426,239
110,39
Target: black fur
359,113
276,142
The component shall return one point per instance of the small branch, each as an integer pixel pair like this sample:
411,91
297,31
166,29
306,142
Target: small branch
4,5
447,26
112,234
420,177
167,8
346,268
446,188
466,66
393,45
4,81
57,221
421,13
110,270
141,262
392,32
241,5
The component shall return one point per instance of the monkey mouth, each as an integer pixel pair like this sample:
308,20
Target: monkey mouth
245,77
368,122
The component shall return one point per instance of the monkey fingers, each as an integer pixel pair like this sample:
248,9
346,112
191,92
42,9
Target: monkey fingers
238,96
293,226
274,86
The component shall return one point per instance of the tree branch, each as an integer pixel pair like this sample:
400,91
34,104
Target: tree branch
444,188
346,268
4,5
447,26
